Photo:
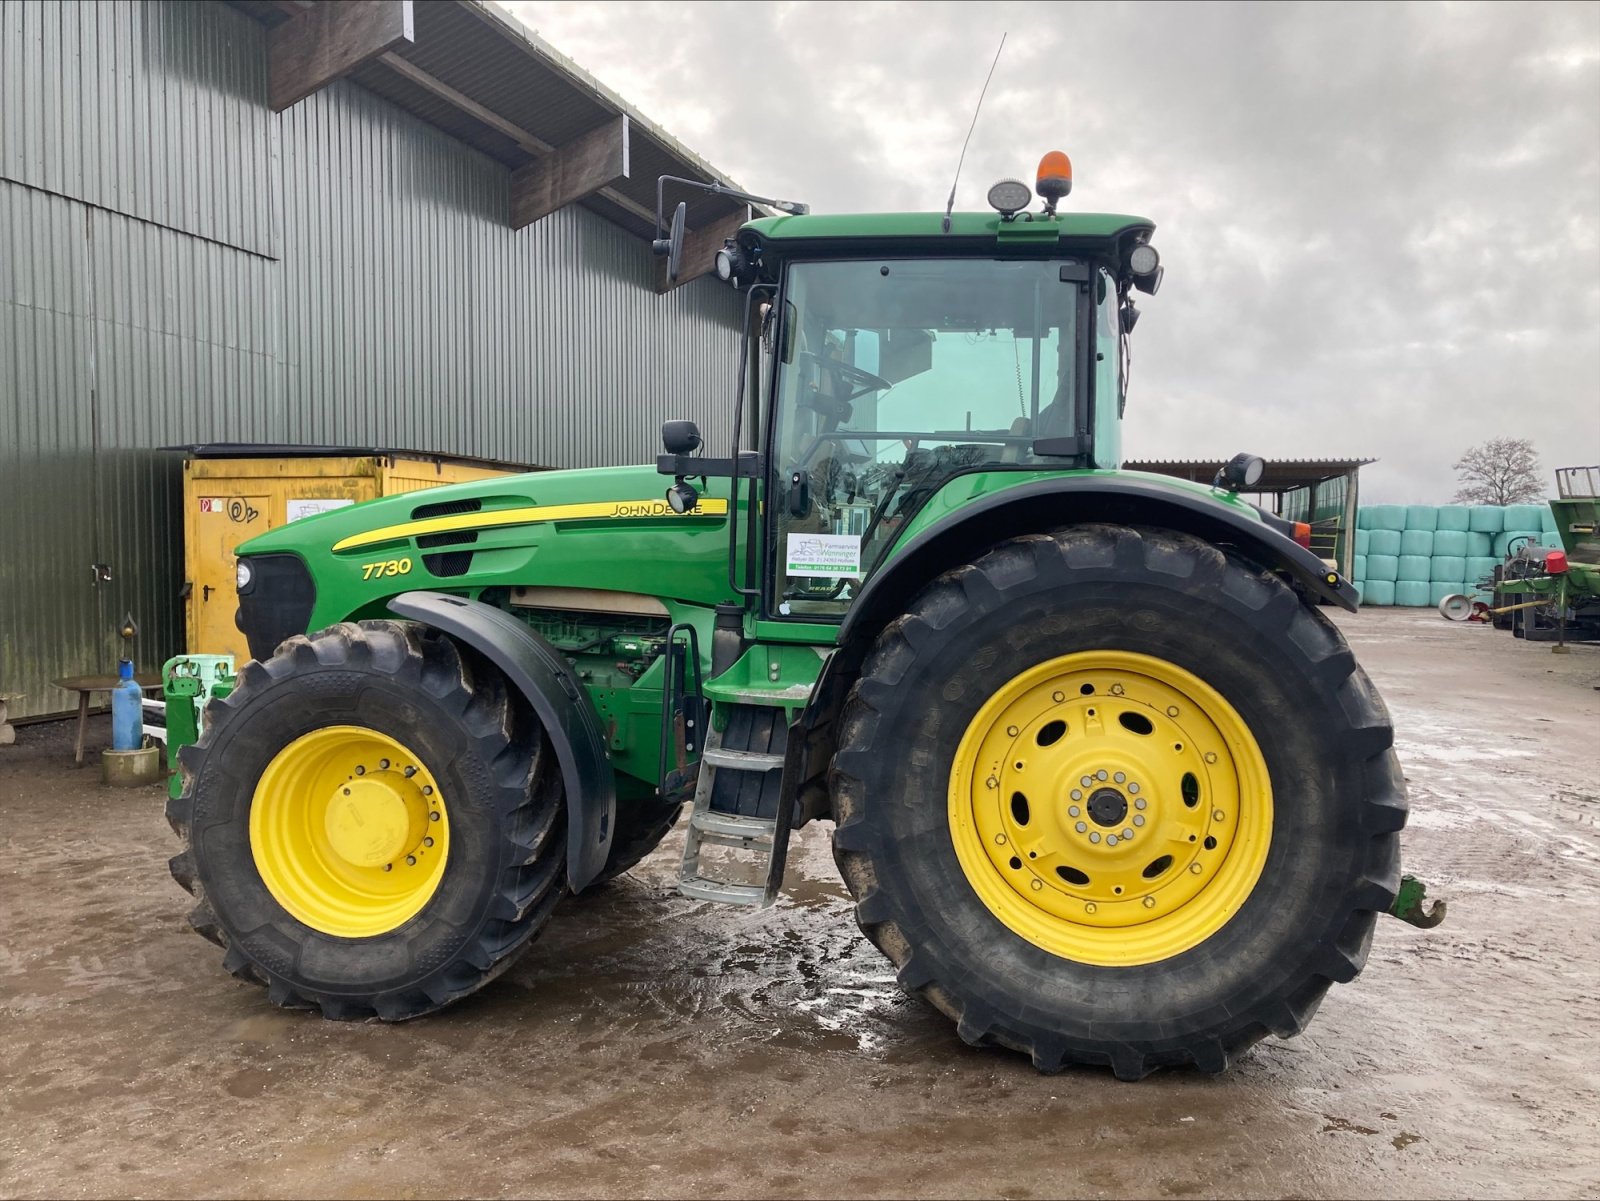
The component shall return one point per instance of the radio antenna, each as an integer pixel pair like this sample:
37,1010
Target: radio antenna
951,203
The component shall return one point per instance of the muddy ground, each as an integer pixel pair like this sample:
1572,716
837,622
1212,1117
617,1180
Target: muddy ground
650,1045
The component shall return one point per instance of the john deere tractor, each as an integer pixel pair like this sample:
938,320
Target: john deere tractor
1108,786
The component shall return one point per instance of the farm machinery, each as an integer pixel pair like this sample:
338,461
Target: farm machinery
1108,786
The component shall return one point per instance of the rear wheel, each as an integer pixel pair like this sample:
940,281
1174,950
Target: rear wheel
1112,796
375,826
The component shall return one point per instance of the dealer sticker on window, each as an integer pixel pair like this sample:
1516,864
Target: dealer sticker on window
834,555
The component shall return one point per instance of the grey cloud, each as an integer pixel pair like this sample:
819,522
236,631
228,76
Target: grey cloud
1381,222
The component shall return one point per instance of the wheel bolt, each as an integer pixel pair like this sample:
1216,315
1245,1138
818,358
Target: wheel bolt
1172,710
1111,840
1090,907
1086,781
1139,804
1101,774
411,861
428,841
1211,756
1149,902
1081,827
427,790
1134,788
1116,690
1058,697
1195,868
992,782
1119,777
1000,839
1126,835
1218,815
1013,731
383,765
434,816
388,867
347,792
361,769
410,771
1037,883
1095,837
1077,795
1138,819
1074,811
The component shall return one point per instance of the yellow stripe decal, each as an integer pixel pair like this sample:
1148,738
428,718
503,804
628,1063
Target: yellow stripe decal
614,510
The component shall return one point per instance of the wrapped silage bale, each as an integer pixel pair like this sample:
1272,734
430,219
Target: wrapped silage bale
1452,542
1387,517
1379,592
1361,592
1448,568
1416,542
1478,545
1383,569
1453,517
1411,593
1383,542
1364,517
1422,517
1358,567
1547,521
1481,568
1362,537
1487,519
1437,592
1508,542
1418,568
1524,517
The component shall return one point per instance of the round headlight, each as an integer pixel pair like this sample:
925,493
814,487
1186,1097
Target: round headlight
244,575
724,264
1144,260
1009,196
1242,471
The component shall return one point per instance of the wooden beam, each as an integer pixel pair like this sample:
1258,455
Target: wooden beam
318,45
569,173
700,248
533,145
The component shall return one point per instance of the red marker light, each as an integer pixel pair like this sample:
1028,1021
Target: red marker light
1302,534
1555,562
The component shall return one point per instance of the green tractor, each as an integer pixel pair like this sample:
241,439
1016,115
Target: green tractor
1109,788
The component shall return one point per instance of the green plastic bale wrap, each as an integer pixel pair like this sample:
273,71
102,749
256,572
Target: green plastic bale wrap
1383,542
1452,542
1454,517
1379,592
1416,542
1547,521
1387,517
1508,542
1478,545
1411,593
1487,519
1417,568
1481,567
1422,517
1452,568
1383,569
1362,538
1437,591
1525,517
1359,567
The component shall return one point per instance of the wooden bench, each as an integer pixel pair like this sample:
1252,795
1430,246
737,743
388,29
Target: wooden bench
84,686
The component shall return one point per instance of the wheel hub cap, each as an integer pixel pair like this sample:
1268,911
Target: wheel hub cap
1110,807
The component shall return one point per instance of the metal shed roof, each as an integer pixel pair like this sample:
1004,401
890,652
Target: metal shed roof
1280,475
513,96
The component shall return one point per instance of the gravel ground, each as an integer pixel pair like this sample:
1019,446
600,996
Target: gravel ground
650,1045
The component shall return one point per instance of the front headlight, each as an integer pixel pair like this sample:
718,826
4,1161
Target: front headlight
244,576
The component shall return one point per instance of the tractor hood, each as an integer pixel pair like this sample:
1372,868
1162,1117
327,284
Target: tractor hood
607,529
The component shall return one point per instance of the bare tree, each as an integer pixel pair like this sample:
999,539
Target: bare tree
1503,471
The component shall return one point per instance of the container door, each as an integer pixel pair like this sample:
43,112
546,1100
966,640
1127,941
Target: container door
221,522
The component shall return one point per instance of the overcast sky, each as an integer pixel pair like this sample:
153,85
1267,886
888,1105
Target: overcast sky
1380,222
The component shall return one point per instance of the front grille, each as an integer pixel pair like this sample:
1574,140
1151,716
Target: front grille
278,605
450,563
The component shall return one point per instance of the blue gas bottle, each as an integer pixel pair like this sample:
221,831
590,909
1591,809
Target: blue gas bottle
127,710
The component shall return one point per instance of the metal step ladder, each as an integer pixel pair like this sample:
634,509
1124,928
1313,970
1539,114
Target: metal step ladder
764,837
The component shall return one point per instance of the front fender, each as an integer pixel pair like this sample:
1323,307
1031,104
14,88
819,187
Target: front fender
1050,504
540,672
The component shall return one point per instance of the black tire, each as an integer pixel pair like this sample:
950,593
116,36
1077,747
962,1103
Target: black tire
506,869
1339,800
641,825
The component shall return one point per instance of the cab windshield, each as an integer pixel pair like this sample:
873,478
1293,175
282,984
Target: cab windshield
894,376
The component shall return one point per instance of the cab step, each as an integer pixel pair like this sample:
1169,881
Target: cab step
738,804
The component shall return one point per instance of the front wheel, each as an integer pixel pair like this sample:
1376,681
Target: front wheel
375,824
1112,796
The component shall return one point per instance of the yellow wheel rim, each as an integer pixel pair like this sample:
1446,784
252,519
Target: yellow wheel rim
349,831
1111,808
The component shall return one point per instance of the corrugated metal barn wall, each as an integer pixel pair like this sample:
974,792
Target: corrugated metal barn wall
177,264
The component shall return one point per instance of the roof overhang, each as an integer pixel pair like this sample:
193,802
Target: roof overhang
473,70
1281,475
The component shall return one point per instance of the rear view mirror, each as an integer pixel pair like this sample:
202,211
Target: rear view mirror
672,245
680,437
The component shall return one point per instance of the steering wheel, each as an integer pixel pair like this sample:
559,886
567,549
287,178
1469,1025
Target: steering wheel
857,381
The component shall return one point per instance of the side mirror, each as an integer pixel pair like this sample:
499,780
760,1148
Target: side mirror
680,437
672,245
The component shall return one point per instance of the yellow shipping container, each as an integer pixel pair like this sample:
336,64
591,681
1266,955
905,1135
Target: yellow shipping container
232,493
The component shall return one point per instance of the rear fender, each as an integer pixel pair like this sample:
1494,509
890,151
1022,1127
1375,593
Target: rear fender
540,672
1069,500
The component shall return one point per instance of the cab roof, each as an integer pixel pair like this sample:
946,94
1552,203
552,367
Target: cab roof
1031,228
